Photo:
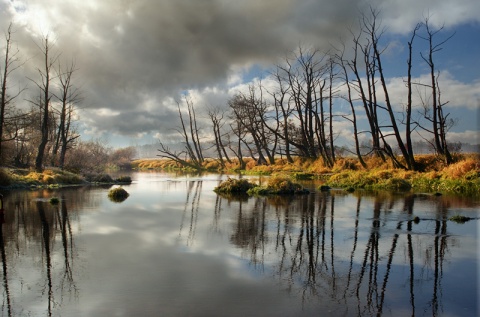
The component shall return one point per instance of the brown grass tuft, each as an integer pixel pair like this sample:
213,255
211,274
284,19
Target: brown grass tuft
460,169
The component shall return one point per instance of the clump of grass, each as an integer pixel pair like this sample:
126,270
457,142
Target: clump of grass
399,184
99,178
303,176
345,164
462,168
279,186
234,186
459,219
124,179
118,194
54,201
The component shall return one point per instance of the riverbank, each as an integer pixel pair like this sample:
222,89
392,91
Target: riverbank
14,178
462,177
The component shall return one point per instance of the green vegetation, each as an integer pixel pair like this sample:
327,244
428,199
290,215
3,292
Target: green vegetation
275,186
459,219
118,194
51,178
54,201
278,186
462,176
123,180
234,186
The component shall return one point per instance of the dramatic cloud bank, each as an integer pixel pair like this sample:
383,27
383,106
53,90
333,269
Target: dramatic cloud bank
136,58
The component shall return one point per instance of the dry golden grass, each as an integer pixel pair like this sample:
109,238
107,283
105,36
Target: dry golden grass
460,169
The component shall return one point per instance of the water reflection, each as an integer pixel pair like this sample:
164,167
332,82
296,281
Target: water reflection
332,252
310,252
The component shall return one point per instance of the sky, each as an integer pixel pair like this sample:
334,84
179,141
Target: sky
137,58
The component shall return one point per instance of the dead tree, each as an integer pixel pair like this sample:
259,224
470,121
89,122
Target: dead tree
344,71
217,118
192,155
371,29
11,63
68,96
438,119
43,84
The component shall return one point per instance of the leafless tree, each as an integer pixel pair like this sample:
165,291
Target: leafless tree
408,119
192,155
374,31
11,63
348,83
306,74
43,84
436,116
69,96
217,118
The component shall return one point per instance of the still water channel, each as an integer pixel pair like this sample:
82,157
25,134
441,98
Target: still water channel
175,248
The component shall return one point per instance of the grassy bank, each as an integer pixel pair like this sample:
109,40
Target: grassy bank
24,178
434,176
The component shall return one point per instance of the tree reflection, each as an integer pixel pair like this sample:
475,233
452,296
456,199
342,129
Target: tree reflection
48,261
33,224
192,203
309,250
4,261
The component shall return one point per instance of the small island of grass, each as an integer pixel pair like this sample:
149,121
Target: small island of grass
118,194
275,186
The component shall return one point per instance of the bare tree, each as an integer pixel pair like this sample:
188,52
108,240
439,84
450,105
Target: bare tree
11,63
43,84
217,118
283,112
437,118
372,30
306,74
348,83
408,119
69,96
192,156
252,112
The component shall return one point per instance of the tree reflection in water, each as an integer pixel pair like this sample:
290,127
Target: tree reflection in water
31,220
350,254
306,241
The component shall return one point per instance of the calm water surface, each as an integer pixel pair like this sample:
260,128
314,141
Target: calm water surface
175,248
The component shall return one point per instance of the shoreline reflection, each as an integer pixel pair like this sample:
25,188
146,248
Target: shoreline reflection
349,254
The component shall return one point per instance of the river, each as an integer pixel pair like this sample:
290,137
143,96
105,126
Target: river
176,248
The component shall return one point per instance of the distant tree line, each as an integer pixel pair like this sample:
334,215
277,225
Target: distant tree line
297,115
42,132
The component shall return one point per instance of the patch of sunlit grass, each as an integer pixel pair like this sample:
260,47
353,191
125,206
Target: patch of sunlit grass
234,186
462,168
